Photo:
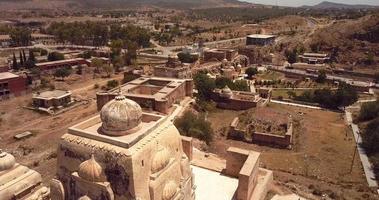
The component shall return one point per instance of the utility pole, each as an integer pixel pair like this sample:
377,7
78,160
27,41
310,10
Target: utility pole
355,152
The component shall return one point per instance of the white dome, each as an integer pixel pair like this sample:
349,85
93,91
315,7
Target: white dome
7,161
169,190
91,171
226,92
160,160
84,198
121,116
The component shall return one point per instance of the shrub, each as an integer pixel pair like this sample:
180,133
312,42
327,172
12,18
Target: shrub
369,111
112,84
195,126
370,137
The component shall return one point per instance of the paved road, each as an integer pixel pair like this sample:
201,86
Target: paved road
367,167
329,77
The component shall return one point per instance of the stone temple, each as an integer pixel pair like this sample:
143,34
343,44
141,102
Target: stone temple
123,153
20,182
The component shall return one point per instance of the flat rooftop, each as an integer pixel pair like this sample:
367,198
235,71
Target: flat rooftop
7,75
150,87
213,185
51,94
91,129
261,36
60,61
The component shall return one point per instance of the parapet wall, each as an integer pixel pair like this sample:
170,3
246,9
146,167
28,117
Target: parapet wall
284,141
253,182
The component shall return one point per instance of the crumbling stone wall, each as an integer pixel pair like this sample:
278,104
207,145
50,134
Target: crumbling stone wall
283,141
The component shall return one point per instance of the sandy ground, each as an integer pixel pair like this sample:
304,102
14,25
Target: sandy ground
319,161
39,151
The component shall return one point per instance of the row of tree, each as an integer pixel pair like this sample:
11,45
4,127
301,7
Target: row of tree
344,96
23,61
98,33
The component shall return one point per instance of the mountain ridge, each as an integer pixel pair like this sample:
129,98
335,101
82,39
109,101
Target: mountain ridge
333,5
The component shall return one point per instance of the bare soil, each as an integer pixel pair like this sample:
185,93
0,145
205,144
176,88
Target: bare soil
320,160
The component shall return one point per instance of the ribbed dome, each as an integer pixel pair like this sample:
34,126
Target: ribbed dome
121,116
226,92
169,190
7,161
160,160
91,171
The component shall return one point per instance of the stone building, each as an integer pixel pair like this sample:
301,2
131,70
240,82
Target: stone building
123,153
239,100
156,93
260,39
314,58
54,99
19,182
173,69
12,85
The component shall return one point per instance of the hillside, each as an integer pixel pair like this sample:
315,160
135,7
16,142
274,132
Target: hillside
115,4
355,42
332,5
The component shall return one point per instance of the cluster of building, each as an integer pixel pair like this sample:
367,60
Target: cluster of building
38,38
240,100
126,152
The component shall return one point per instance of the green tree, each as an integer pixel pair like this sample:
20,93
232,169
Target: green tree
108,69
54,56
24,56
370,138
204,86
376,77
187,58
221,82
195,126
97,64
22,64
251,71
14,63
62,72
321,78
112,84
291,56
369,111
118,63
20,36
346,95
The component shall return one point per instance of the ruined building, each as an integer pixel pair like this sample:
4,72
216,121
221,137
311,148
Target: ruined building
123,153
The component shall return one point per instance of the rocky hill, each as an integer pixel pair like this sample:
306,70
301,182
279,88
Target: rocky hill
352,41
332,5
116,4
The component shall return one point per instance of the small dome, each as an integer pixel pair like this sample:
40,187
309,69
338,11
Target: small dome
239,66
91,171
160,160
226,92
169,190
121,116
84,198
7,161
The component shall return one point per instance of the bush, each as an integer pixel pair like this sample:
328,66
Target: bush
195,126
370,137
112,84
204,86
369,111
54,56
187,58
251,71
